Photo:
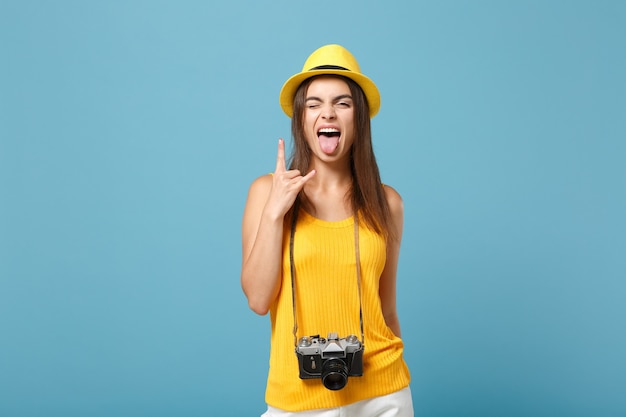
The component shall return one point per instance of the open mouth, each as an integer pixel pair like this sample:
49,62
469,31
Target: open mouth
329,139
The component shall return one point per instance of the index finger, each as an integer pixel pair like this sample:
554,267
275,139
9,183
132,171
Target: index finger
280,158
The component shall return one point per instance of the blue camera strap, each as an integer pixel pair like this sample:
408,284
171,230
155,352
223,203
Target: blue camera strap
294,221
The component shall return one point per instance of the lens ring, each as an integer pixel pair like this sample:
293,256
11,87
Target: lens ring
334,374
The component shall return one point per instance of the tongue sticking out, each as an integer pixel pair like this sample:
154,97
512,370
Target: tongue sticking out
328,143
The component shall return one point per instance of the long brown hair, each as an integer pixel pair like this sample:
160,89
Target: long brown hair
367,194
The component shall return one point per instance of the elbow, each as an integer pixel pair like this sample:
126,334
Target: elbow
256,302
259,300
259,308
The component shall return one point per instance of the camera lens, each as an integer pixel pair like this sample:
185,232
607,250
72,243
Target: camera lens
334,374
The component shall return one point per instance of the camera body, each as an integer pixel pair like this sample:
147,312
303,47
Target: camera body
332,359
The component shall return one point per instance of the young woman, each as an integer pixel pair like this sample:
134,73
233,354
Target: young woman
320,244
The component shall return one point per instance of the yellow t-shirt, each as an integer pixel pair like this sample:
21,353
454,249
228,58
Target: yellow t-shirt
327,300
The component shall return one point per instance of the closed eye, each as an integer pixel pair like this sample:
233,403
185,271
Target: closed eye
344,101
312,102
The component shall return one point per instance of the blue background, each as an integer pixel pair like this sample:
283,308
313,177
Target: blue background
130,131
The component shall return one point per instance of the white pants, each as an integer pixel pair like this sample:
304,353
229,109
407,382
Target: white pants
397,404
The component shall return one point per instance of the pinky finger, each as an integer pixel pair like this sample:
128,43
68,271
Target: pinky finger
308,176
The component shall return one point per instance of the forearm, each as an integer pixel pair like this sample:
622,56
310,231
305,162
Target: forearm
393,323
270,197
261,268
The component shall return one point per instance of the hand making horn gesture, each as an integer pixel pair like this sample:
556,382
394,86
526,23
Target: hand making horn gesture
286,184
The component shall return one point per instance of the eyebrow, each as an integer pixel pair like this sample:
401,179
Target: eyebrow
340,97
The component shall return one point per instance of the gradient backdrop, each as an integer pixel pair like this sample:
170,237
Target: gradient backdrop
130,131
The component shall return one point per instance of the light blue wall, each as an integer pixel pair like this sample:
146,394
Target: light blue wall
130,131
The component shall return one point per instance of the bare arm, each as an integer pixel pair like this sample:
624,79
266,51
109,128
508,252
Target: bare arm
270,197
387,288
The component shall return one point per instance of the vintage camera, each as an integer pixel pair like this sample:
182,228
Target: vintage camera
333,359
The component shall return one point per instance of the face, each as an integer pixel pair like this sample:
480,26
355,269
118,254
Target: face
329,118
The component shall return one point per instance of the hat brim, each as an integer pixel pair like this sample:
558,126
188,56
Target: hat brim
290,87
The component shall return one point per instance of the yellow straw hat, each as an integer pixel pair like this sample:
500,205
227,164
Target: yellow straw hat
330,60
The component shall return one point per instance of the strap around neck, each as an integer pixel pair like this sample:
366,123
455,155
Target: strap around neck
294,220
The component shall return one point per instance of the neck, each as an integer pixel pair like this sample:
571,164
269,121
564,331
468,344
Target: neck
330,175
326,195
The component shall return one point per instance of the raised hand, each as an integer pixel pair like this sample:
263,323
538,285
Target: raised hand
286,184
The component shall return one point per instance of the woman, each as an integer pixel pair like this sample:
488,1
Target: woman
320,246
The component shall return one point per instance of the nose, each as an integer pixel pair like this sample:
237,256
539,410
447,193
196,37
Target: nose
328,112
